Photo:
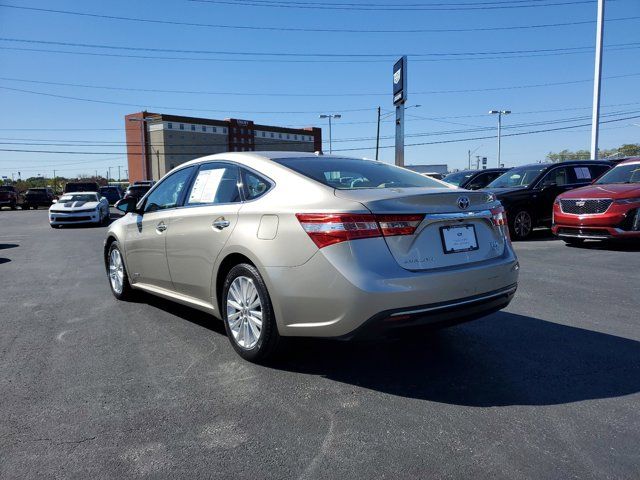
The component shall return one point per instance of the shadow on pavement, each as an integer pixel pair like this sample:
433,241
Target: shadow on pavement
4,246
505,359
610,245
4,260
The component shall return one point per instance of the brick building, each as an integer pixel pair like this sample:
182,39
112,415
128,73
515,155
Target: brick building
157,143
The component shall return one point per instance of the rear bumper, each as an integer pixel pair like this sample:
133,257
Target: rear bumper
344,292
433,316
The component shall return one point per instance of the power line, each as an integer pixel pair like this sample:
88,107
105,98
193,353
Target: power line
309,29
74,152
395,7
315,54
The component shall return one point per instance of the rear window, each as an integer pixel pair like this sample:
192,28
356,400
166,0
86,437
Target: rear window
139,189
354,174
458,178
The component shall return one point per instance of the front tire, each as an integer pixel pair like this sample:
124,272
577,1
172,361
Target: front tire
521,224
248,314
117,273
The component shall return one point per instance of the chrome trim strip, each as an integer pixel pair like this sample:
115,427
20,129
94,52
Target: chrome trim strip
447,217
507,291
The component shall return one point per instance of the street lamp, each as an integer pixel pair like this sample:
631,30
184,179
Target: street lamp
499,113
330,116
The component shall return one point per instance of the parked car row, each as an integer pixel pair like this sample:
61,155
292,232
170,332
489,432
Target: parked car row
578,200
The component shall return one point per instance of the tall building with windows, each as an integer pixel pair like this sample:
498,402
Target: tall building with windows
157,143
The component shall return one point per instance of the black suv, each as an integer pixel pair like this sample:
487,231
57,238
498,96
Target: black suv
71,187
37,197
474,179
112,194
528,192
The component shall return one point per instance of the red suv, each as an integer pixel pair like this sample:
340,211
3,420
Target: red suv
608,208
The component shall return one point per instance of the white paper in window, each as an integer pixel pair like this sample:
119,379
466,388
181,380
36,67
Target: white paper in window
206,185
582,173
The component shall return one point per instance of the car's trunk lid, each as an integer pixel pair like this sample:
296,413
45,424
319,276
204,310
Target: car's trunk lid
457,220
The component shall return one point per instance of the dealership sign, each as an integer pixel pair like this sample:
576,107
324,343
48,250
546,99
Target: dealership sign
400,81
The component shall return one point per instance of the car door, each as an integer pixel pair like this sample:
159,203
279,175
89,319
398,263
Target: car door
146,234
200,229
557,180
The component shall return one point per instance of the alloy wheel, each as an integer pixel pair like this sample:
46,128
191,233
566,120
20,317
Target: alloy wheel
244,312
116,271
522,224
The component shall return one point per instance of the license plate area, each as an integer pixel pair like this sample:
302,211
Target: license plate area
458,238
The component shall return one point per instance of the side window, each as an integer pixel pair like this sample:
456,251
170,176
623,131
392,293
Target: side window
215,183
560,176
168,192
254,186
583,174
597,170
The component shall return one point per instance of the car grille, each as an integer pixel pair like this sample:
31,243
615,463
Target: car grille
70,219
585,207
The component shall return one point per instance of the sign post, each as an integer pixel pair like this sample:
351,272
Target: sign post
399,99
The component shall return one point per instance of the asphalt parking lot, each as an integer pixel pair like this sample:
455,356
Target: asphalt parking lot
95,388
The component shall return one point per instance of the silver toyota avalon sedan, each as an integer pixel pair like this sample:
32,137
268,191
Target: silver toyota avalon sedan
284,244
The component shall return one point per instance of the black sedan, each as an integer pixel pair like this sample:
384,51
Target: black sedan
528,192
474,179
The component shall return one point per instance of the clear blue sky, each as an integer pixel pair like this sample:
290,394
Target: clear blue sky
30,119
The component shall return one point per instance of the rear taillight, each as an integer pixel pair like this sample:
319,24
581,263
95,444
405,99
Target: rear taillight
328,228
499,219
391,225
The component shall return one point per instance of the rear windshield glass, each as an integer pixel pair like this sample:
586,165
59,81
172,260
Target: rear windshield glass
36,190
352,174
81,197
629,173
517,177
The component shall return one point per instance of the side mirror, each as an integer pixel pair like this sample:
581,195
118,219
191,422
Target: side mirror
55,200
127,205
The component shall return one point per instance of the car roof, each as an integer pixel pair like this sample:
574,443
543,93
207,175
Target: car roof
630,160
80,193
566,163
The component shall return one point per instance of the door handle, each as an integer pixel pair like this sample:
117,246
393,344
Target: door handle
221,223
161,227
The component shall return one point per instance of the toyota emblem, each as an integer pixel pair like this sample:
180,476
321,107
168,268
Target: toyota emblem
463,203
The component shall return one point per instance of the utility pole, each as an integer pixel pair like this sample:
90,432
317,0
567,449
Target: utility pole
499,113
109,175
330,116
597,76
118,173
469,152
158,161
54,180
378,134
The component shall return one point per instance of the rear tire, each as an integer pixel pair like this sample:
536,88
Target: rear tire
117,273
520,224
248,314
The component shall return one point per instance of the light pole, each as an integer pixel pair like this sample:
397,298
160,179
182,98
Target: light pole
499,113
330,116
595,114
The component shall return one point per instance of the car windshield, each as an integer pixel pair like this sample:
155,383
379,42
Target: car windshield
78,198
517,177
458,177
352,174
629,173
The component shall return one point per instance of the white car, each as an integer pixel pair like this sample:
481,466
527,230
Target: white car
79,207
